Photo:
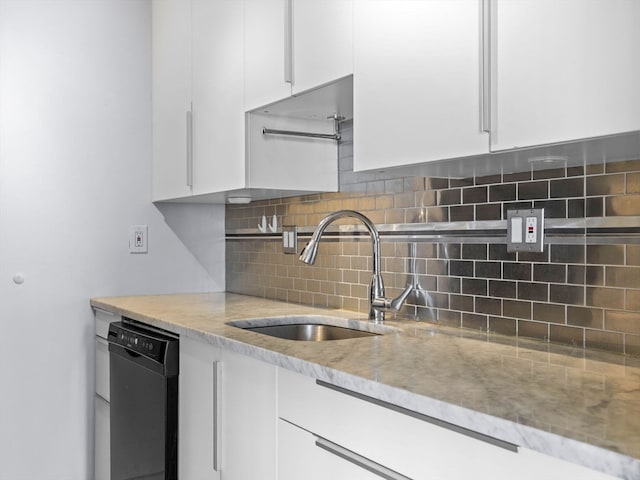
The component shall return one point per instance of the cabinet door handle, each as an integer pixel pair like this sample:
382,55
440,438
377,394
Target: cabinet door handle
217,416
288,41
487,9
359,460
190,147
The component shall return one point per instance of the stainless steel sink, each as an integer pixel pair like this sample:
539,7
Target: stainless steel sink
310,328
311,332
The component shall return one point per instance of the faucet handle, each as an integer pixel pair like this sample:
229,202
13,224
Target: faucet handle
397,302
392,304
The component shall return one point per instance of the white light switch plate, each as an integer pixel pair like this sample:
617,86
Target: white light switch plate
289,239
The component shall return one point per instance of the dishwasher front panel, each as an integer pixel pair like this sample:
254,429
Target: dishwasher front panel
144,414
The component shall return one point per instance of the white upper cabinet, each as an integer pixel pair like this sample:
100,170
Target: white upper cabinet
293,46
267,52
417,82
203,51
171,102
563,70
198,97
218,96
322,42
291,163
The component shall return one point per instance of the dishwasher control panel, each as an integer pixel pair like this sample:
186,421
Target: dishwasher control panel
139,341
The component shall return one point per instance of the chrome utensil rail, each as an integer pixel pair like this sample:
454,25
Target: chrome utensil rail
595,230
293,133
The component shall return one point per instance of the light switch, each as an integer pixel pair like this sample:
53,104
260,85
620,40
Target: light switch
289,239
516,229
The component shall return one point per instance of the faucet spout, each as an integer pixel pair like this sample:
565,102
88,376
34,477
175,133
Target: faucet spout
378,304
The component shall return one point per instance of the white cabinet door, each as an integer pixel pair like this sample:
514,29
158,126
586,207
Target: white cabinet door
287,163
249,418
218,95
102,368
417,92
171,97
266,52
102,446
198,422
295,45
564,70
322,42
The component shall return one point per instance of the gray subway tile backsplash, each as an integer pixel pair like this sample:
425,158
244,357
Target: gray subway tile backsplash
582,293
565,188
516,309
551,273
533,291
488,269
502,289
605,185
549,312
502,193
516,271
552,208
474,195
533,190
575,208
605,254
585,317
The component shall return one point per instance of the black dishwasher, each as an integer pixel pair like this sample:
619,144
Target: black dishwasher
144,366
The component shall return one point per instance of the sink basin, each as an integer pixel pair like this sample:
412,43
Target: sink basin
310,328
311,332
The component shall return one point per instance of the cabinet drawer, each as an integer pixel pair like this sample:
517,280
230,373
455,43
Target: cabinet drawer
102,368
299,456
102,448
409,443
103,319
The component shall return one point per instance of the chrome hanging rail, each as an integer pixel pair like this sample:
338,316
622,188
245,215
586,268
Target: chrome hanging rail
329,136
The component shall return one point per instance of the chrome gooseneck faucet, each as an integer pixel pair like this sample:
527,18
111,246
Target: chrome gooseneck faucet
378,304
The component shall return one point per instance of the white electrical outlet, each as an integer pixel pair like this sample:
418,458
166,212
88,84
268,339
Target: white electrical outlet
532,230
138,239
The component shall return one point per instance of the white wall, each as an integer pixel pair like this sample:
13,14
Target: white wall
74,174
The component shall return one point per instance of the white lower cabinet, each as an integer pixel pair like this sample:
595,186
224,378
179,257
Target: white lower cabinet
102,408
199,437
399,444
241,418
227,414
249,420
102,460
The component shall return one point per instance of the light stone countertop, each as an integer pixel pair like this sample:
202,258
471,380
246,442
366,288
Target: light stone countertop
578,405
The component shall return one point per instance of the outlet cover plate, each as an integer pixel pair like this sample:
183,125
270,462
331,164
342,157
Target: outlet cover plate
138,239
289,239
521,241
